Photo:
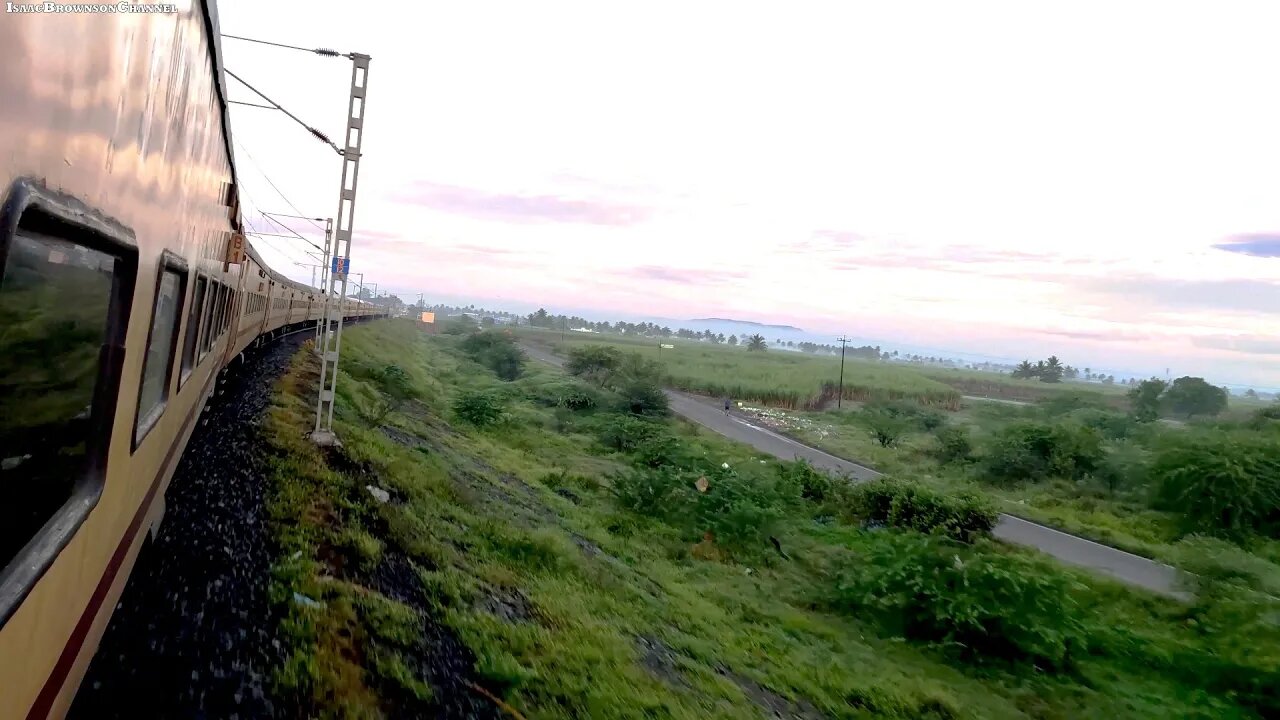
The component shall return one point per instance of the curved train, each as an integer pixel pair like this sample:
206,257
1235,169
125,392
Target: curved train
125,289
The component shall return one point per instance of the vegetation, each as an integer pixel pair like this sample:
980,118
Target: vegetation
592,562
779,379
911,506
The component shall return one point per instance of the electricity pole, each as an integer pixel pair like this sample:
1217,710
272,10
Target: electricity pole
323,434
840,395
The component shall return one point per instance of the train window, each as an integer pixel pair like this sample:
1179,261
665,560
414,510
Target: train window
66,285
193,332
210,311
162,342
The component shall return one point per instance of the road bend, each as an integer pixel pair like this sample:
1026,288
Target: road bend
1121,565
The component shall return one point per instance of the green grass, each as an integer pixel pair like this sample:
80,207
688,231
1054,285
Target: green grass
777,378
509,538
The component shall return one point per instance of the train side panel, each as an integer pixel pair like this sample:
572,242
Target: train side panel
119,112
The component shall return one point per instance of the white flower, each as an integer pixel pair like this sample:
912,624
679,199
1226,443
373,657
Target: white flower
724,465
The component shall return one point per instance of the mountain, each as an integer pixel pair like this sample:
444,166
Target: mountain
747,323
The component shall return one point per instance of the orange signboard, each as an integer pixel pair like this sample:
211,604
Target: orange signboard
235,249
428,317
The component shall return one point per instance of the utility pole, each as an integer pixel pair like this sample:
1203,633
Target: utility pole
840,395
354,136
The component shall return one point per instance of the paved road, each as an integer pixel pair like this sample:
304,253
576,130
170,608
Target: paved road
1121,565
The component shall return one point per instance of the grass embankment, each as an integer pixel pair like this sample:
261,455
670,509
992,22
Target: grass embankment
778,378
530,562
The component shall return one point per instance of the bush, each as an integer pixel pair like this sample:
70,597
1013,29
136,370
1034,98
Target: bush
1036,451
578,399
640,396
655,492
972,600
1125,465
460,325
595,362
496,351
478,408
1221,483
954,445
1110,425
811,484
741,512
625,433
910,506
657,450
886,426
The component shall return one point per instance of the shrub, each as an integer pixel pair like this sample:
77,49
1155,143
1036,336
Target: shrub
741,512
971,600
593,361
1035,451
954,445
811,484
1110,425
640,396
886,426
657,450
478,408
460,325
625,433
578,399
496,351
1124,465
654,492
1221,483
910,506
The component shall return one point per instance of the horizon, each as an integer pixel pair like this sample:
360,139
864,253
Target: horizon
523,309
926,178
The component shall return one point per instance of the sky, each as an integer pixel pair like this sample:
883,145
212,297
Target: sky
1099,181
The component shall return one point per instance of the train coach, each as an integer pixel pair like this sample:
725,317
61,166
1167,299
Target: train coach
125,289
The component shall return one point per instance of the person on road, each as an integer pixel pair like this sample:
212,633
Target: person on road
726,405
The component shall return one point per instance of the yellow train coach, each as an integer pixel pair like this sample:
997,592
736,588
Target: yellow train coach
125,288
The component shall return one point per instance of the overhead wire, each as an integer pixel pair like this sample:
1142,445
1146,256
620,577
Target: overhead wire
279,192
319,135
318,51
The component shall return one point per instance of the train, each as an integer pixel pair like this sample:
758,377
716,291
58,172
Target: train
127,287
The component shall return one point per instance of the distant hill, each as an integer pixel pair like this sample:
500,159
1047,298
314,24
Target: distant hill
747,323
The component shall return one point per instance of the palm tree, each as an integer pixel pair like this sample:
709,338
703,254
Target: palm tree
1024,370
756,342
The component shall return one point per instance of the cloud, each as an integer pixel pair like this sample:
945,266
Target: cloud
521,209
1253,296
1256,244
1104,336
1250,344
683,276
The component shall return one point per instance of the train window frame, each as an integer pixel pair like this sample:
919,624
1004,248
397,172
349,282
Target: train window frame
169,263
200,290
32,207
206,320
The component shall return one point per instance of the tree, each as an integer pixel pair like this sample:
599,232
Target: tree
733,339
1193,396
594,362
1251,394
1024,370
1144,400
756,343
1221,484
1051,371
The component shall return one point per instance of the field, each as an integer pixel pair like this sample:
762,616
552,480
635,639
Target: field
520,565
791,380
